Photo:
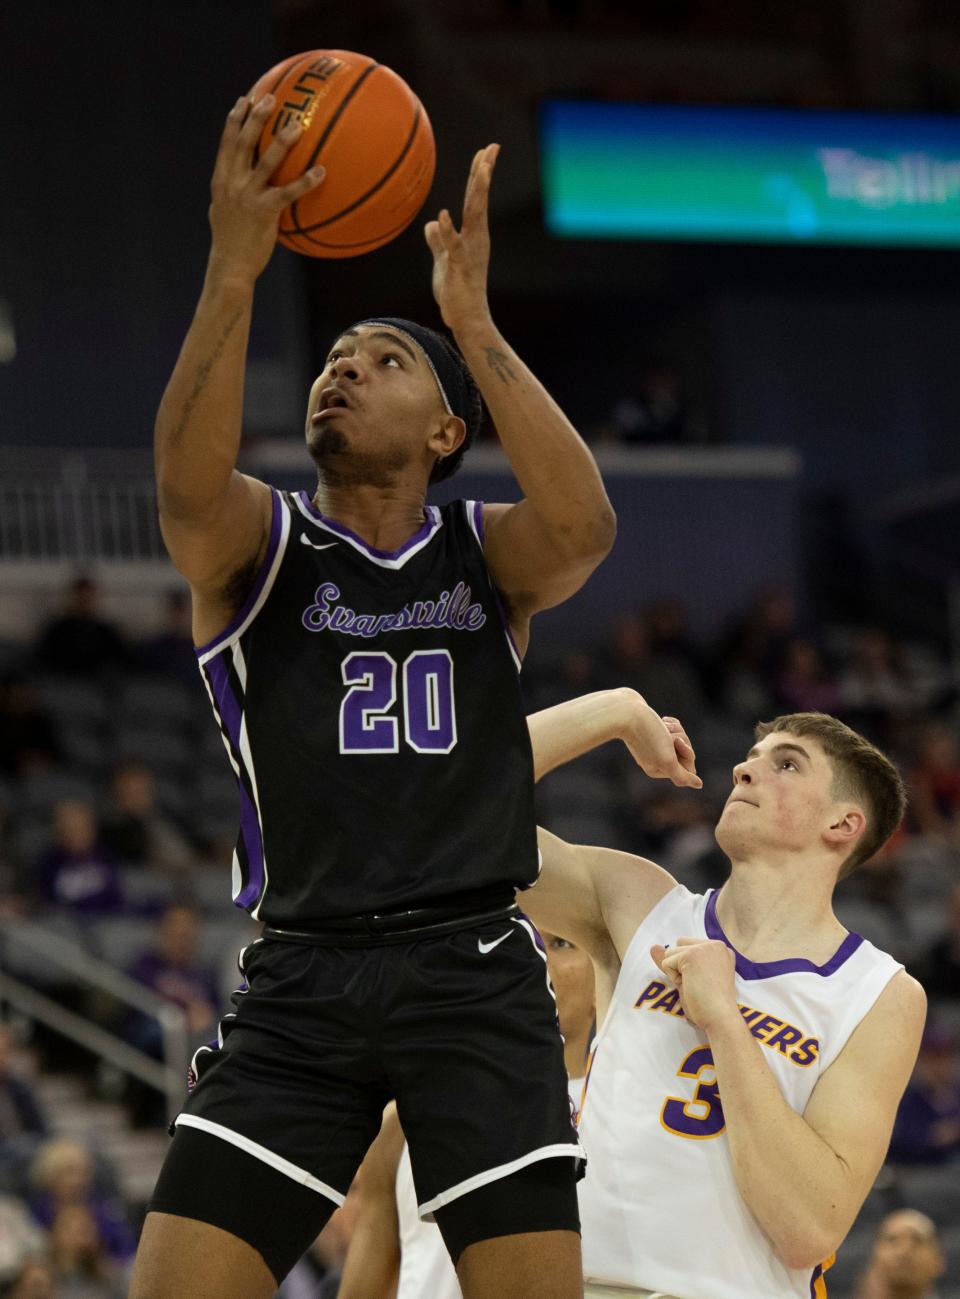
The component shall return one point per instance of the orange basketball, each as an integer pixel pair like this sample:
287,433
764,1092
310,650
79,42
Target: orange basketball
370,131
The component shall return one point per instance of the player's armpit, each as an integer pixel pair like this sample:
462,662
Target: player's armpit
564,899
372,1265
853,1106
596,897
209,542
535,567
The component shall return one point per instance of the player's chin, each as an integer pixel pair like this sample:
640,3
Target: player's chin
729,839
326,440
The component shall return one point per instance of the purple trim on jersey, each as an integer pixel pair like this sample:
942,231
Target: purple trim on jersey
276,521
478,519
232,717
770,969
814,1278
348,534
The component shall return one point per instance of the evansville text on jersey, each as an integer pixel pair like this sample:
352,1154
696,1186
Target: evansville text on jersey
798,1047
452,609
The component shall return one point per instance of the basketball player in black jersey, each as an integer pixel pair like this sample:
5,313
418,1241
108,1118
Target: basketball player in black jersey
360,652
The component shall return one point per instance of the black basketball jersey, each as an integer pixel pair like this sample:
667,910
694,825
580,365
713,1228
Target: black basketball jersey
370,707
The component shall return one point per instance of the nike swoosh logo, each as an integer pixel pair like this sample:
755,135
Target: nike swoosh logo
488,947
316,545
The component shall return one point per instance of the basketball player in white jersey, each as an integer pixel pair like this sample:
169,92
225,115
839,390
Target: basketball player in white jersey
390,1244
751,1052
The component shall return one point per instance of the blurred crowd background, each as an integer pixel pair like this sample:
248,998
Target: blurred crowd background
777,427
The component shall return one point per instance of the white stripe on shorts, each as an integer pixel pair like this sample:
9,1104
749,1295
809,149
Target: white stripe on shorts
261,1152
494,1174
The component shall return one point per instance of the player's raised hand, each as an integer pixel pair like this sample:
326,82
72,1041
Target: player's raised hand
659,745
245,208
702,969
461,257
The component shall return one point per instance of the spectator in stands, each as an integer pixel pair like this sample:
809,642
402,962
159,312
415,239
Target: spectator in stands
134,830
77,872
20,1239
664,824
81,1263
171,650
669,635
20,1112
935,784
28,736
940,968
664,677
878,694
803,683
927,1130
750,652
907,1259
172,970
80,642
35,1280
12,901
62,1175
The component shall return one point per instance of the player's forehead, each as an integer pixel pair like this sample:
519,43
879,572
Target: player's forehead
362,335
805,748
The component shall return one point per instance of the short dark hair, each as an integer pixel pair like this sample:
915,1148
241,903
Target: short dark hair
477,414
860,772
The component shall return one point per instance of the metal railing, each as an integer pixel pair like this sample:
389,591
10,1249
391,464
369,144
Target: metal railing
167,1076
83,520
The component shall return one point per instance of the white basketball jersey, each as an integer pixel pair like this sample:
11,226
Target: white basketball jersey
426,1271
659,1205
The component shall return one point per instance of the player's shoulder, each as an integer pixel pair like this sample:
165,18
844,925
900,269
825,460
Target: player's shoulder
903,997
893,1024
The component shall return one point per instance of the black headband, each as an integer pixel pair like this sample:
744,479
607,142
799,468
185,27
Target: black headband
449,376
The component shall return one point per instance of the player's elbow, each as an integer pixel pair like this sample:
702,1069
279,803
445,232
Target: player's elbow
586,541
602,531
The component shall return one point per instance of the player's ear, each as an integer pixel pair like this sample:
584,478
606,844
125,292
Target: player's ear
846,826
447,436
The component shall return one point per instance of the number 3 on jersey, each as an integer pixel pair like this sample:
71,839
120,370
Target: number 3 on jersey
701,1116
429,715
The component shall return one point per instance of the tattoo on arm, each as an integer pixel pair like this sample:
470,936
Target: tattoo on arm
203,373
499,364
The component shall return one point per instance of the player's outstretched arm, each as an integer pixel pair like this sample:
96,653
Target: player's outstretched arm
805,1177
543,549
659,745
214,520
594,896
372,1265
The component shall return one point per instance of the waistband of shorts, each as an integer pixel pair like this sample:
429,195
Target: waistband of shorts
375,929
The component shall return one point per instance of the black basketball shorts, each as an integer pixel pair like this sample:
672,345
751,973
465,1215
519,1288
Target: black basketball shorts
461,1029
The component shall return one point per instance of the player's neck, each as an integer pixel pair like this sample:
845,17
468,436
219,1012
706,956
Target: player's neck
384,517
771,915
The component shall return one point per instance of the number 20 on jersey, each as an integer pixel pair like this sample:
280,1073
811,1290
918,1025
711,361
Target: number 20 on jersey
367,724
